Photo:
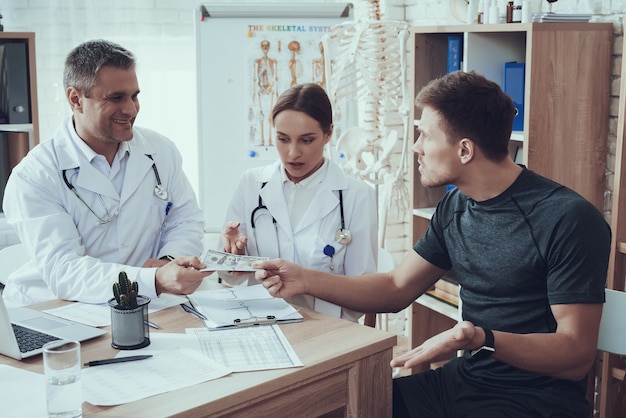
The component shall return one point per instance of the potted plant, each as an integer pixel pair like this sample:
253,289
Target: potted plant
129,315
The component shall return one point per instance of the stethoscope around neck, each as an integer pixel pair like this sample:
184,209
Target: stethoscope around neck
159,191
342,235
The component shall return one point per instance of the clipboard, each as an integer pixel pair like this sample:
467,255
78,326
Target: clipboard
238,307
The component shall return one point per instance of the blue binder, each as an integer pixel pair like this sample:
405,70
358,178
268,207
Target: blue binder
454,53
513,80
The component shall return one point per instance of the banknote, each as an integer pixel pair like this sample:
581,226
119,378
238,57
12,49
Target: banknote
221,261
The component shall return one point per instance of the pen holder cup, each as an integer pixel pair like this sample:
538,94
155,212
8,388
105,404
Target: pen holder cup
129,326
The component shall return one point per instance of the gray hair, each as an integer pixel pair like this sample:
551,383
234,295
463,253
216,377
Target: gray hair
85,61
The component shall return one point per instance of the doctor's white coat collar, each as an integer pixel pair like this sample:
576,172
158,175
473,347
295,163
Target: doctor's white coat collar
317,177
70,156
324,202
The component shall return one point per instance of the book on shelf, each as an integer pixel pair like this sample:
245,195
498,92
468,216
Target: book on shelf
514,74
560,17
454,53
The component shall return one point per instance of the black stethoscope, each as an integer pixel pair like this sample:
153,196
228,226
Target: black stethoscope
343,235
159,192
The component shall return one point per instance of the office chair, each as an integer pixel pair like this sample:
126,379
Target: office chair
385,263
612,339
11,258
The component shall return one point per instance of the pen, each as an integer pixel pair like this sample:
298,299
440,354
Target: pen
191,310
116,360
151,324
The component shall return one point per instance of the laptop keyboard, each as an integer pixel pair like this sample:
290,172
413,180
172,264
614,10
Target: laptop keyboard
29,340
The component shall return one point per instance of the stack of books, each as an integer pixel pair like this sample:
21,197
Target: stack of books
447,291
560,17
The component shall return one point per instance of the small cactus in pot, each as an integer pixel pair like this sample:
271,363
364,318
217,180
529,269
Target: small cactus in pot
125,292
129,315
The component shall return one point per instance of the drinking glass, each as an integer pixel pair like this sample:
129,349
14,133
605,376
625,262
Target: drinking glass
61,362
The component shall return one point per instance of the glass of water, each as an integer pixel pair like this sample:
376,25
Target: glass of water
61,362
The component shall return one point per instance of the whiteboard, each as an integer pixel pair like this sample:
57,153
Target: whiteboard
233,131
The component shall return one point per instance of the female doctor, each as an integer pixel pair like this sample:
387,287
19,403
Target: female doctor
303,208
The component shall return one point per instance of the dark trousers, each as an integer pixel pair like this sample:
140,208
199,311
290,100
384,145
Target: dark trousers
444,393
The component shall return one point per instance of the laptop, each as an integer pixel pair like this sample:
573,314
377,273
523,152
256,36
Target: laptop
34,329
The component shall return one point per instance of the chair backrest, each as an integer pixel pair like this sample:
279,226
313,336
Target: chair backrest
612,337
11,258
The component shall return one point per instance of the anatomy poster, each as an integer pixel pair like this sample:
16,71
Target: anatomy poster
279,56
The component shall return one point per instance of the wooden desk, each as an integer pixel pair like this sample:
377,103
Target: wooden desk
346,373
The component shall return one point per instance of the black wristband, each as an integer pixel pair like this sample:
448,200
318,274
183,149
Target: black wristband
489,340
487,348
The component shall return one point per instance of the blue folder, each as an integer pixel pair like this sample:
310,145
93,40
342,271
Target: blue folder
454,53
513,80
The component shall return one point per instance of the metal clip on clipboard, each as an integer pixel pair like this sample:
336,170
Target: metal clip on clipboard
255,320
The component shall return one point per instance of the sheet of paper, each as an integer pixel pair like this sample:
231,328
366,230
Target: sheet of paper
245,349
99,315
237,293
242,305
22,393
115,384
220,261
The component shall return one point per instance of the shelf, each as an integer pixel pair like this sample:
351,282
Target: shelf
16,127
439,306
517,136
19,128
426,213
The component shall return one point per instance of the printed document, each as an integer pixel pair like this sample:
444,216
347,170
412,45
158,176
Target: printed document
245,349
120,383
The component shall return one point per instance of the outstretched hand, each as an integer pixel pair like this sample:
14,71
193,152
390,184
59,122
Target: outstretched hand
180,276
439,347
233,240
281,278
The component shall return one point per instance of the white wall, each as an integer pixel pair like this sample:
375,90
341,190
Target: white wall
161,33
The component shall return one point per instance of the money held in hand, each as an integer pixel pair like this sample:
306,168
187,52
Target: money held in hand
220,261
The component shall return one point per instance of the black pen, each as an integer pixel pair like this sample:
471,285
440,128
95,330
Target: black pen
116,360
191,310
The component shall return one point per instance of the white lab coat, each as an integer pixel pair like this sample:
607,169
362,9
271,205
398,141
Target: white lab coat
72,256
304,244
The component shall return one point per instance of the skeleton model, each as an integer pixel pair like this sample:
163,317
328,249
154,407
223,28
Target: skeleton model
265,90
365,61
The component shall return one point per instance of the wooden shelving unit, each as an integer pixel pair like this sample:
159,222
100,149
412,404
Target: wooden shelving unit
22,136
613,367
32,127
566,111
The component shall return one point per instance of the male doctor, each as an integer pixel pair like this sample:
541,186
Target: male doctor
102,196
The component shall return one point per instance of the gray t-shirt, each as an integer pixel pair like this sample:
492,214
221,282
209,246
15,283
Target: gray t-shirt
536,244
